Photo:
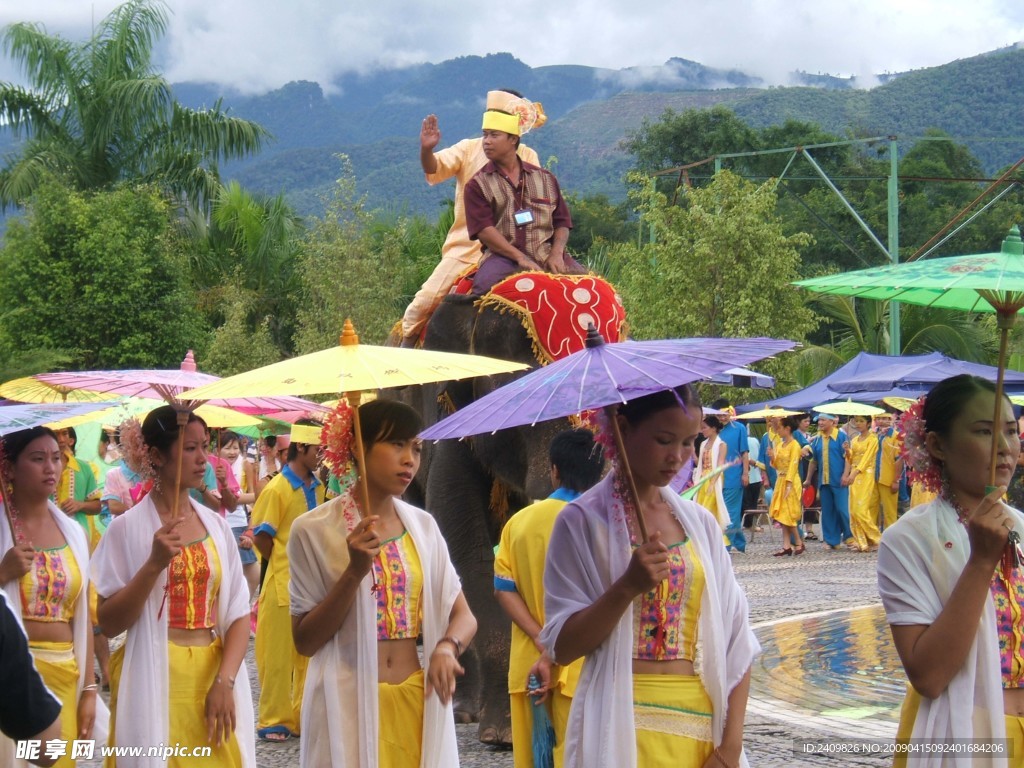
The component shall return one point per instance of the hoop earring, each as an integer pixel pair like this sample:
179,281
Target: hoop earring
945,490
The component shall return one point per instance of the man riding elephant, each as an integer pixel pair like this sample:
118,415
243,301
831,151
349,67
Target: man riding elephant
461,161
516,210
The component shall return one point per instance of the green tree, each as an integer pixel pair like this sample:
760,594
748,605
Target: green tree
245,251
97,113
348,270
720,266
99,275
680,138
239,344
597,222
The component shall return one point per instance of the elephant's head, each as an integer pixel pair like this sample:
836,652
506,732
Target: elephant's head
517,457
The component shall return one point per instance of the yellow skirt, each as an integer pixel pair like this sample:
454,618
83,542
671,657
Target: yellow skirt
57,666
401,722
673,721
191,671
908,714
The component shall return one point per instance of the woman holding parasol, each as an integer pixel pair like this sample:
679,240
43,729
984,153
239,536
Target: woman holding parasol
365,582
950,565
167,572
643,612
44,571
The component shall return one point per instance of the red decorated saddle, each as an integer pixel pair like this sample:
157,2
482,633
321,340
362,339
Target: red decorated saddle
556,310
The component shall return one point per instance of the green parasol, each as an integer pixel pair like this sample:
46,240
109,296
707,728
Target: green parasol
983,282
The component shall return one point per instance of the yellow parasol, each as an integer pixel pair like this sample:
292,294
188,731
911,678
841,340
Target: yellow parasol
215,416
764,413
351,368
900,403
31,390
849,408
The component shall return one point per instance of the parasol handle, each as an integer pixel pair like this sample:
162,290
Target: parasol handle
360,452
1004,338
360,457
182,418
610,412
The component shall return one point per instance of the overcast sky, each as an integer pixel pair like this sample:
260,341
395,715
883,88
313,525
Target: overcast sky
255,45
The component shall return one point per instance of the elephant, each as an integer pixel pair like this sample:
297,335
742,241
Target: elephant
471,486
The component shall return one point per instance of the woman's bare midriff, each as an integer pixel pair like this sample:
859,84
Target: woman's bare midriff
191,637
1013,702
396,660
673,667
48,631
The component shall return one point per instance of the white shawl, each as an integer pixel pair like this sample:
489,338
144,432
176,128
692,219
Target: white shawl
142,700
589,550
916,575
339,704
722,512
81,626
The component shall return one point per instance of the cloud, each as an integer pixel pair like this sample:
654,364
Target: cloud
255,45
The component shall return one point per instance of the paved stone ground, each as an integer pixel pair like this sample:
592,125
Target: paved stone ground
820,582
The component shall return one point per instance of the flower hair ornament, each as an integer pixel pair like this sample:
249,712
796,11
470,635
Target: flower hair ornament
598,422
134,450
337,437
922,467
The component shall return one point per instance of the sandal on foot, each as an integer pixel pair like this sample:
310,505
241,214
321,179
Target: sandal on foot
275,733
783,553
800,550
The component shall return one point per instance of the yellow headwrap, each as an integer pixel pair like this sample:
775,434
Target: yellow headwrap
305,434
499,121
531,113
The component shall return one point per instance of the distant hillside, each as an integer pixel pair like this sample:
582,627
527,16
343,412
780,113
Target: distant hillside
375,118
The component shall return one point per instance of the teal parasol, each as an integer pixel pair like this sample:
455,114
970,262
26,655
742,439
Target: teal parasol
983,282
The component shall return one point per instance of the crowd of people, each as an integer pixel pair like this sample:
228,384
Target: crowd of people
631,632
809,469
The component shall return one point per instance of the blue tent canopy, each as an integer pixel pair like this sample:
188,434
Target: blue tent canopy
868,378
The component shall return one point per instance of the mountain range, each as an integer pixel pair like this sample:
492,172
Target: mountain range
375,117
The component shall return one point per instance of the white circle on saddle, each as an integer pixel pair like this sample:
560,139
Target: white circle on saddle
581,296
585,320
524,284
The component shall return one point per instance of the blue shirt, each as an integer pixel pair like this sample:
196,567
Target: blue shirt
296,482
735,438
768,468
802,441
878,456
836,458
209,480
755,455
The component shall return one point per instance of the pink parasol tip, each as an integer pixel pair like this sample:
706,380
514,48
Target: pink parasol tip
189,363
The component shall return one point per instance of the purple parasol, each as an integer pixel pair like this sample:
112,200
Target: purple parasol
601,375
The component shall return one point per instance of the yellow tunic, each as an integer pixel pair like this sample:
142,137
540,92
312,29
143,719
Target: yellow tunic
520,562
863,501
786,508
459,253
890,449
281,669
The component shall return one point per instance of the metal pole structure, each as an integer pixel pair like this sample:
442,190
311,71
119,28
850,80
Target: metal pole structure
895,344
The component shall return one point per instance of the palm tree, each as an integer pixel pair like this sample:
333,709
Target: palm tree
863,326
96,113
246,246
